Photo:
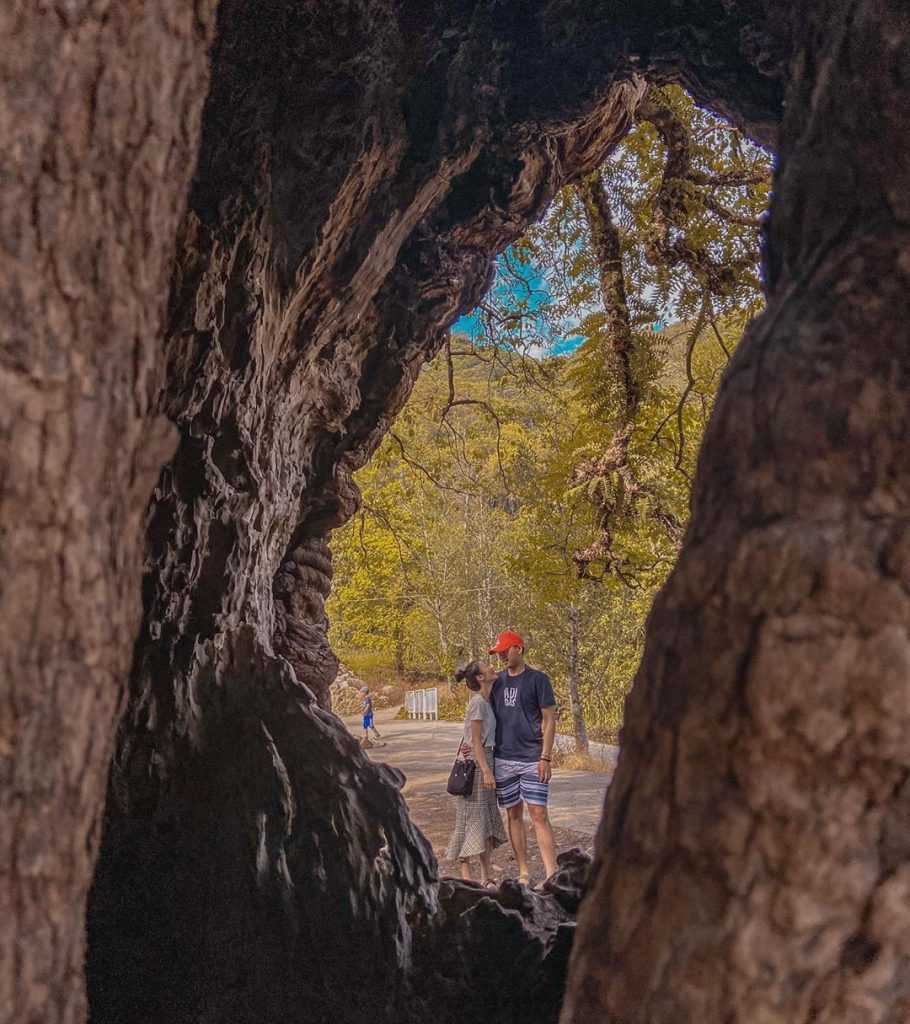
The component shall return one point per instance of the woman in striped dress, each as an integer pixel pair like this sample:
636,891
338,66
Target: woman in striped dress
478,823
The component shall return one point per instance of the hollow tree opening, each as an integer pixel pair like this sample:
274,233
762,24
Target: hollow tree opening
539,474
358,168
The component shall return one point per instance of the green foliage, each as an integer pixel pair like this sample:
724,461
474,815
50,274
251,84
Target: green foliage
452,703
509,460
433,572
373,667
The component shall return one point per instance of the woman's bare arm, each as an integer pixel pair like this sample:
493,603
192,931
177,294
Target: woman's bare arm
480,755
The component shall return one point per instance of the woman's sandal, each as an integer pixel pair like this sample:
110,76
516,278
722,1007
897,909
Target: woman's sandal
524,879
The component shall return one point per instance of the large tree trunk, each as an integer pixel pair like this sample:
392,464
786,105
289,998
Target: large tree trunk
253,859
754,862
361,163
358,171
578,712
99,117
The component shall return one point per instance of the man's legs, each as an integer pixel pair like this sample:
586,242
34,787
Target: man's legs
518,837
508,795
545,839
536,795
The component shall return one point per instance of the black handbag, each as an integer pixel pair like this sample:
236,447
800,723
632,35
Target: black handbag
461,777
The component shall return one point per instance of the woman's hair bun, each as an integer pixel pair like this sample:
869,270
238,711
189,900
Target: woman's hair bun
469,674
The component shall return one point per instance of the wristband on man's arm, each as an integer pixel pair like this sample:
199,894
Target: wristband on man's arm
542,758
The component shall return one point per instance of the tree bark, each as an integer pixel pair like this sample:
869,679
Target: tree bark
360,166
578,714
361,163
618,365
607,247
618,491
99,115
399,651
754,861
261,851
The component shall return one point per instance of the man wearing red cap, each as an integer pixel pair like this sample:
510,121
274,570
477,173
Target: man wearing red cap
525,710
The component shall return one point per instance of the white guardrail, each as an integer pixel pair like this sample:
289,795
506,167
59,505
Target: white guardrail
422,703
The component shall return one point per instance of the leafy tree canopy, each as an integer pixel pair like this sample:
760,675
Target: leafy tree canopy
543,465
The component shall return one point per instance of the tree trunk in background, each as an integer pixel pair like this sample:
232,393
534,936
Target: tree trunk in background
754,861
578,715
399,652
99,116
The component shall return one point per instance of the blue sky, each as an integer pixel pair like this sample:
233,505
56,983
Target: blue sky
527,287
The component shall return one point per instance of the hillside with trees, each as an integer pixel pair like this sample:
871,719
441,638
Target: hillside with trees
539,475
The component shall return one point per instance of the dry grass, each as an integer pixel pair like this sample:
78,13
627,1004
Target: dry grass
581,762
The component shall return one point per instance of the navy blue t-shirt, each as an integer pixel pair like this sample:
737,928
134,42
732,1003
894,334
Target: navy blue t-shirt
517,703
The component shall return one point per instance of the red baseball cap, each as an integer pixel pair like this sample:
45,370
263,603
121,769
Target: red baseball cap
505,640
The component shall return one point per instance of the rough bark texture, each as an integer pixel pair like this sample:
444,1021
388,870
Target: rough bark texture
498,955
361,163
342,213
606,244
360,166
754,861
99,117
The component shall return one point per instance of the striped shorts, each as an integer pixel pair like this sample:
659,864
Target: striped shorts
517,781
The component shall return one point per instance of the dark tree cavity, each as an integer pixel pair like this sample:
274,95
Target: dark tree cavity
359,165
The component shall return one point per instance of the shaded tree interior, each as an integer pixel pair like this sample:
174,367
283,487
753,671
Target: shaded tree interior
361,164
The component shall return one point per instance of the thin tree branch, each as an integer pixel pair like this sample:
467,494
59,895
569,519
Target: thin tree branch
422,469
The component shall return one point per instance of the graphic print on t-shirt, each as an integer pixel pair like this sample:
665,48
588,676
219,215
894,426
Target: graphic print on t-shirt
518,702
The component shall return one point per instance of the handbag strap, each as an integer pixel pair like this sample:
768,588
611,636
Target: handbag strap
458,751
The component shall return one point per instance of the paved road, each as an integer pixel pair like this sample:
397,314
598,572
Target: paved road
424,752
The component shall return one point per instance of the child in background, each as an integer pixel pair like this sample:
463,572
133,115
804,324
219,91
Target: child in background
368,726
